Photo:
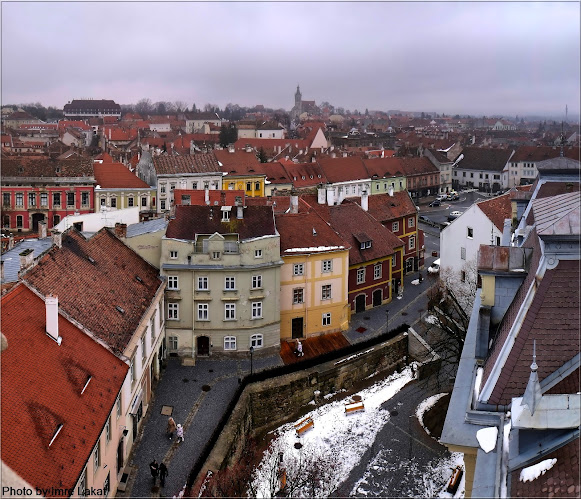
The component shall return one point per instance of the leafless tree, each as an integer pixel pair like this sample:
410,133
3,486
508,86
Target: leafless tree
144,107
180,106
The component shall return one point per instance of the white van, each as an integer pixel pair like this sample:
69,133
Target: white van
435,267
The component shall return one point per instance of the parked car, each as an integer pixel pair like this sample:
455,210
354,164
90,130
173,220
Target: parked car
435,267
453,215
441,197
453,196
435,202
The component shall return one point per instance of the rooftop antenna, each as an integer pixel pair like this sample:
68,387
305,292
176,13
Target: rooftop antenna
532,396
562,140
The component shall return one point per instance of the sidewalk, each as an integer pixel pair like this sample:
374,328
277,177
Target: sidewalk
199,395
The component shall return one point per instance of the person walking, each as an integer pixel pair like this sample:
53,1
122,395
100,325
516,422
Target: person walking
154,468
299,349
162,473
171,427
180,433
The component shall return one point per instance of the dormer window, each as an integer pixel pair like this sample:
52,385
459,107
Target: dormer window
365,245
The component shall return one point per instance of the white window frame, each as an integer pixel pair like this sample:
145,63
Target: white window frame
257,310
118,406
298,296
257,341
173,312
298,269
326,292
326,319
203,283
411,222
230,283
108,429
361,275
173,282
229,311
395,227
394,261
203,313
327,266
377,271
412,242
463,253
257,281
258,253
172,342
229,343
97,456
469,232
143,350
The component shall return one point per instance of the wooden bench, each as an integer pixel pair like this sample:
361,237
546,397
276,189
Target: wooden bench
455,479
354,406
304,425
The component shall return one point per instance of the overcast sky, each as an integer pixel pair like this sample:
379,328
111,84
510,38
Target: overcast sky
450,57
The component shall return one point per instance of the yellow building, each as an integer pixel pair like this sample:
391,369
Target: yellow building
241,171
314,277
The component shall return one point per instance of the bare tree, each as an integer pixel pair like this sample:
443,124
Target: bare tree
144,106
180,106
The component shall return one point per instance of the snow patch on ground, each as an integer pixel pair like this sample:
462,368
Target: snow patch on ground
346,436
425,406
431,319
536,470
487,438
415,282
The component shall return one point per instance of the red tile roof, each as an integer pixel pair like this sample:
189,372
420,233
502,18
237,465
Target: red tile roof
418,166
257,221
41,388
540,153
198,197
497,209
384,167
275,173
343,169
479,158
21,166
94,276
117,175
386,208
238,162
562,480
271,144
304,174
549,189
191,163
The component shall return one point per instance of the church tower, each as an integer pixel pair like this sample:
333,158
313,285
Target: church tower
297,109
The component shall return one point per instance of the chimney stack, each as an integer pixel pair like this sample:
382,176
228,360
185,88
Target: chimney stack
57,238
321,194
52,318
42,230
294,203
330,196
239,212
10,241
121,230
364,201
207,195
26,258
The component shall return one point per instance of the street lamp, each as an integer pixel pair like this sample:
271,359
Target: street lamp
251,353
386,320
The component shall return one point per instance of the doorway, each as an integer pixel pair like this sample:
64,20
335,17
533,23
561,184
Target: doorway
120,455
297,327
203,343
36,217
359,303
377,297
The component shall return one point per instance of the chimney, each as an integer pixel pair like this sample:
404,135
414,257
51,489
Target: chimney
26,258
207,195
231,148
10,241
121,230
57,238
364,201
321,194
52,318
390,191
294,203
313,159
506,232
42,230
239,212
330,196
109,134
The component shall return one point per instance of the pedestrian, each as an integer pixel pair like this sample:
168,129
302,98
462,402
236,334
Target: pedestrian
171,427
300,349
162,473
180,433
154,468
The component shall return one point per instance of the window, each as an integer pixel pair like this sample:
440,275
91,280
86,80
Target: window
229,342
203,284
257,310
130,202
206,184
143,351
298,295
173,342
19,199
162,204
172,187
56,198
118,406
411,222
203,311
132,370
144,202
6,199
230,283
412,242
107,485
298,269
256,341
113,202
108,430
498,240
173,255
393,261
463,253
70,199
326,292
172,282
194,185
360,276
103,201
44,199
395,227
230,312
257,186
56,220
463,276
19,221
85,198
472,175
173,310
83,484
97,456
31,199
248,186
162,188
152,329
256,281
327,266
327,319
215,255
470,232
377,271
258,253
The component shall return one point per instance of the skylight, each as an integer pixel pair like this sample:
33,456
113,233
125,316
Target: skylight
119,309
